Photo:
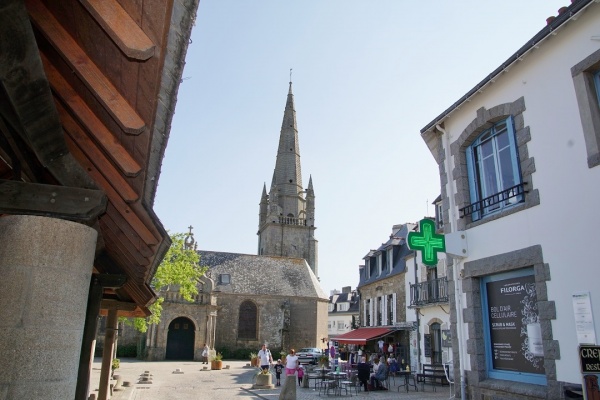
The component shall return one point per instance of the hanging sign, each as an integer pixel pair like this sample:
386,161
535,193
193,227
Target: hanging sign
426,240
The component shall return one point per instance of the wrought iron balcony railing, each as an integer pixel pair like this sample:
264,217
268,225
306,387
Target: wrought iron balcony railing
495,202
429,292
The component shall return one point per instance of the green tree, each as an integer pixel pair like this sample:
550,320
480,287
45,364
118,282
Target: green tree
181,267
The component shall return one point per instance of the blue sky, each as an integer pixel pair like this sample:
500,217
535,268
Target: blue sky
367,76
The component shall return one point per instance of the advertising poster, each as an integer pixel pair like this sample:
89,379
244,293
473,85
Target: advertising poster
516,337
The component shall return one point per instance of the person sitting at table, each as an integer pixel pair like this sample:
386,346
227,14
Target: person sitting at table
393,364
376,365
380,377
363,370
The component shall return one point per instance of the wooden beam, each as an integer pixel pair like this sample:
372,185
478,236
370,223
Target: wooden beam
28,93
121,28
94,156
134,256
94,126
49,200
116,200
120,231
117,305
98,84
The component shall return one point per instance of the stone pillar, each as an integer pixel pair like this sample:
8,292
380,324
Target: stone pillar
45,269
288,390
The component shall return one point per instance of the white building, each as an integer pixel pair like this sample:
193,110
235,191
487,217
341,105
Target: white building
343,311
520,176
427,300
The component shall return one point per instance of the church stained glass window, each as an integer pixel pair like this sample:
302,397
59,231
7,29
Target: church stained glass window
247,320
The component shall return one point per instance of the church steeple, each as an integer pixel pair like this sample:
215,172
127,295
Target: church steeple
287,213
287,177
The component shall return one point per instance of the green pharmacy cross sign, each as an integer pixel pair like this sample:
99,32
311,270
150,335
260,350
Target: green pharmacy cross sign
427,241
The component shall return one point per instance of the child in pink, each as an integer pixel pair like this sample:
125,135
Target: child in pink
300,375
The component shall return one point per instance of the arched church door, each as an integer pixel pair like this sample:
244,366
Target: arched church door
180,340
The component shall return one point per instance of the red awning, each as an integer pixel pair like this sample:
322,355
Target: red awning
361,335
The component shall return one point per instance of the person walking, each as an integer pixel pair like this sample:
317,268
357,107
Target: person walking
205,354
265,358
300,375
278,371
291,363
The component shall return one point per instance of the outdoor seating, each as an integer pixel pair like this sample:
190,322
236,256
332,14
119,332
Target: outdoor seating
431,374
326,385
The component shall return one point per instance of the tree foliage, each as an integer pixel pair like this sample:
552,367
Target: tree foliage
180,268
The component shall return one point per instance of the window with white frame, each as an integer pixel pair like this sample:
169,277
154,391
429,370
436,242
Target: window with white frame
390,258
330,307
340,325
342,306
586,81
493,170
439,216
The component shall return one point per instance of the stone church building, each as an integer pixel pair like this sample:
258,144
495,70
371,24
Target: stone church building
246,300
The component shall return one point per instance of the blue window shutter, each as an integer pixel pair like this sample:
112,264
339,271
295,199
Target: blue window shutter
473,180
597,84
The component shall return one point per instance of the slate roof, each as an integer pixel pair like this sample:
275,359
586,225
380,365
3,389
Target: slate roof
350,298
401,250
262,275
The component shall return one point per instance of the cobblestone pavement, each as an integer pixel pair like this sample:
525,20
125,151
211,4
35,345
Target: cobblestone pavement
193,382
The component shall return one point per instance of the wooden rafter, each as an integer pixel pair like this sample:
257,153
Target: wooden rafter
116,200
98,84
121,28
95,156
117,225
94,126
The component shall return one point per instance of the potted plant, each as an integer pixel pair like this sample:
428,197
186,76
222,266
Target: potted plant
116,363
254,359
217,361
263,380
323,361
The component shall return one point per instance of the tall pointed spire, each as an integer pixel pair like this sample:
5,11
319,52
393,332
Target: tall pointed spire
287,229
287,176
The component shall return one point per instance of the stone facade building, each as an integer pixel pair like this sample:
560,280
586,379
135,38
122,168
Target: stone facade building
382,288
246,300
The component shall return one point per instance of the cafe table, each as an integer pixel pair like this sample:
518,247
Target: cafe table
407,376
337,377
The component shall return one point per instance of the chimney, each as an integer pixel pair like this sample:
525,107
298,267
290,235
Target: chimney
346,289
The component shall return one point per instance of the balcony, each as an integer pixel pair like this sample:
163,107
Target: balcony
495,202
429,293
292,221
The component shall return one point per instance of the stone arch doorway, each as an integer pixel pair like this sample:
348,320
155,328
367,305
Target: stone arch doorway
180,340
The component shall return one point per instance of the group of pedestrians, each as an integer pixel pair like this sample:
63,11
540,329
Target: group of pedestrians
292,366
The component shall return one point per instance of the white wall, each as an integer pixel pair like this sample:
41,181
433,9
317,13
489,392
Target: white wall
566,222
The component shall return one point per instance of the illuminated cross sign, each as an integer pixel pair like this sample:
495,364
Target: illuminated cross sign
427,241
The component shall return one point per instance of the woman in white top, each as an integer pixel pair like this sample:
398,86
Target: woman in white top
291,363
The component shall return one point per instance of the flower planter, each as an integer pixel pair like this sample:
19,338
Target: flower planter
263,381
216,364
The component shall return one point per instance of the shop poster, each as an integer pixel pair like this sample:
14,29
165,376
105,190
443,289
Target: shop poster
515,332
